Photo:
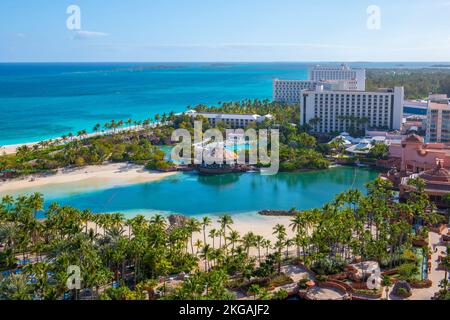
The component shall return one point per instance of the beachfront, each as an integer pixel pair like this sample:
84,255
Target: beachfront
111,174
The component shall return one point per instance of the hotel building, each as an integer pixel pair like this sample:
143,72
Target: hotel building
233,120
342,72
289,91
331,78
337,111
438,119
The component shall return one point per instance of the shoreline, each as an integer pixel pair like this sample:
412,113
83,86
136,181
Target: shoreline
12,148
111,174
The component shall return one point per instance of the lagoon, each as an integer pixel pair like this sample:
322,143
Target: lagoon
194,195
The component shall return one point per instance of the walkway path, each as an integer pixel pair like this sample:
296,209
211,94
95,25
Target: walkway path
436,276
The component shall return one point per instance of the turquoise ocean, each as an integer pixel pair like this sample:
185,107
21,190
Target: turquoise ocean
42,101
47,100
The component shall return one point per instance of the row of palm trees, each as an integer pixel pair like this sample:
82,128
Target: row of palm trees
136,254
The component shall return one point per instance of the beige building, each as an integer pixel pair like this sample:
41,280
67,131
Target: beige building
438,119
233,120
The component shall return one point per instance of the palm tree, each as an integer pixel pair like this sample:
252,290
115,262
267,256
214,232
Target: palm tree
206,221
297,225
97,127
36,203
198,244
233,238
267,245
280,232
248,240
288,243
205,255
212,235
259,241
225,222
254,290
193,226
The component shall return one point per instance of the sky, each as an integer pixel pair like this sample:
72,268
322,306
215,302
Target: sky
225,30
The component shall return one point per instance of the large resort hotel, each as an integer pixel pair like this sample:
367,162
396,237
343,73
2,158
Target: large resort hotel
336,111
331,78
334,98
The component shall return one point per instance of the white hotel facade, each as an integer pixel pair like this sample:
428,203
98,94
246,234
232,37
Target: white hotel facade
382,109
341,73
230,119
332,78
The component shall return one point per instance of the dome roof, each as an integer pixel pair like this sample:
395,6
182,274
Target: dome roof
438,174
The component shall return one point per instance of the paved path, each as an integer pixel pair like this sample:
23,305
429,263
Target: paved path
435,275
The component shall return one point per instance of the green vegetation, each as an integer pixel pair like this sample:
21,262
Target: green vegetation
284,113
298,149
418,83
120,146
131,259
379,151
138,144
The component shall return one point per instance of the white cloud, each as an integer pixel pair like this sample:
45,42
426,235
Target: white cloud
84,35
21,35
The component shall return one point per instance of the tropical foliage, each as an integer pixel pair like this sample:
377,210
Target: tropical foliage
132,259
418,83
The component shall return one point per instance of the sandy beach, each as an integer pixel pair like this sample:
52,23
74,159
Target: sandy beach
243,223
259,225
11,149
113,174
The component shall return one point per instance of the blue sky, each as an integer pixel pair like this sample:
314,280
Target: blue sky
225,30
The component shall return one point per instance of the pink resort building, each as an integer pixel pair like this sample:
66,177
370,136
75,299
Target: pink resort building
412,158
414,155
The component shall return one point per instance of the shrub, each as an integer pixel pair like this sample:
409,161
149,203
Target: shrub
280,295
407,271
328,266
402,292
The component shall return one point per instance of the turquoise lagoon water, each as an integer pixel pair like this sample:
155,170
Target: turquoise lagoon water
41,101
192,195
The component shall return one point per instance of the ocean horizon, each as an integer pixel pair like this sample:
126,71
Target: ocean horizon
41,101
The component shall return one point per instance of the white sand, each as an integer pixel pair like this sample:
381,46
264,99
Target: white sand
10,149
113,174
259,225
243,223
